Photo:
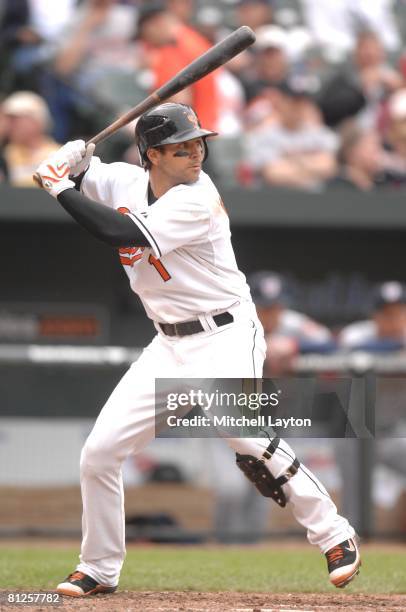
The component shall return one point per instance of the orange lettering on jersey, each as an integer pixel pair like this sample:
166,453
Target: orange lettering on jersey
159,267
129,255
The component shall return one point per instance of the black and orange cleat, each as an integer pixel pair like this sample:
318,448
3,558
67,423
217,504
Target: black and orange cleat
343,563
79,584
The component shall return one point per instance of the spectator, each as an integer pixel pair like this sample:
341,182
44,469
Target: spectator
209,21
28,144
14,29
287,332
231,104
183,9
98,48
50,19
269,70
365,164
334,24
296,150
271,67
396,131
29,32
253,13
361,88
171,45
377,78
99,38
386,329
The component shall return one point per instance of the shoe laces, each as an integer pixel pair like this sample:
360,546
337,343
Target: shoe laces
335,554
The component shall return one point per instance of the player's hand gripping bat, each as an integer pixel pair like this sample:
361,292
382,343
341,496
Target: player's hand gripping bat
215,57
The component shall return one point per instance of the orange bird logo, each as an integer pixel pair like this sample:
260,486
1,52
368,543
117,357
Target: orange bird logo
193,120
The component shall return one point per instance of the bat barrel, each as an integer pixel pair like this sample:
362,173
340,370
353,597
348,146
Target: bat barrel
215,57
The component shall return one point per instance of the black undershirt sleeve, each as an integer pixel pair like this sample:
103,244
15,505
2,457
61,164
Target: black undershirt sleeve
103,222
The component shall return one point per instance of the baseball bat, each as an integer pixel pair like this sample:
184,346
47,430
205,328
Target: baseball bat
215,57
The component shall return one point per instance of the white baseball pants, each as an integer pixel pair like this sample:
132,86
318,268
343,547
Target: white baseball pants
126,425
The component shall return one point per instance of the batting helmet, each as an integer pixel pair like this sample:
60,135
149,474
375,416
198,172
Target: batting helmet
168,123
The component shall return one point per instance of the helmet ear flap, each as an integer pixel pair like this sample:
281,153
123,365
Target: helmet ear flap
141,157
150,131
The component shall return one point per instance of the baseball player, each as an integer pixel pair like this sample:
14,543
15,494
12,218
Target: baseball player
385,330
287,331
172,232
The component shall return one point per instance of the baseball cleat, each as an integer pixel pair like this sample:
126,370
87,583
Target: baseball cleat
343,563
79,584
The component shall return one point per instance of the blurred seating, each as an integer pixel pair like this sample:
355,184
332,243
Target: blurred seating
360,88
29,34
287,331
364,162
335,24
28,123
295,149
92,60
169,45
97,46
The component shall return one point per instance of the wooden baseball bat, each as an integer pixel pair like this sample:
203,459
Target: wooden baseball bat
215,57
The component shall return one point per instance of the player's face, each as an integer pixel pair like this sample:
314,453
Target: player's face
391,321
181,162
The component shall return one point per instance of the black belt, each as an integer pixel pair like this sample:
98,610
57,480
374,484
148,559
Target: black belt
186,328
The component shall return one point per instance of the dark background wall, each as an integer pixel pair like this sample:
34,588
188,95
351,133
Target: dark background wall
330,252
332,247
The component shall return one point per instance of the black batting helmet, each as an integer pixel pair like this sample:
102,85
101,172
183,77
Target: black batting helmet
168,123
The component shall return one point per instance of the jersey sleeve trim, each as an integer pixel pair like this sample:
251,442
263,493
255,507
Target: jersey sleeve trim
143,228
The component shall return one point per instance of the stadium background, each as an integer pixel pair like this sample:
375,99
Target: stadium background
64,303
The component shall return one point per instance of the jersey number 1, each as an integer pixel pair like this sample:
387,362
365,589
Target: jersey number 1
159,267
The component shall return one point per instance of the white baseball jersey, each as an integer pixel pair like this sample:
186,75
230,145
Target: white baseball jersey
358,333
362,332
190,268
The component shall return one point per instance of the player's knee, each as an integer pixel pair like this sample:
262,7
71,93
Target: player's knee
97,459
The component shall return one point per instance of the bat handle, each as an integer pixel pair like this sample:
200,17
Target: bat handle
134,113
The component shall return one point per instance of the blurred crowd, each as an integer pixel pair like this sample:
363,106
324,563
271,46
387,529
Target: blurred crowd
289,332
318,100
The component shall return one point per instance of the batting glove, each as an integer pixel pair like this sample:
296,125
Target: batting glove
77,155
53,175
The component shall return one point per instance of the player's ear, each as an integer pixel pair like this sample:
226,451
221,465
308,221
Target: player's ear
153,154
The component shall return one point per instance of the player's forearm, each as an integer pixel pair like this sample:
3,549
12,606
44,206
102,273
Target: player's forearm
320,165
104,223
286,173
